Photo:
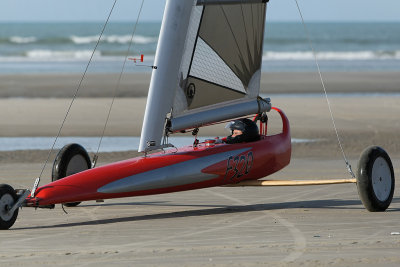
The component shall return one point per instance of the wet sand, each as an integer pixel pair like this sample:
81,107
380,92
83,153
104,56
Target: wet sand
136,84
361,120
280,226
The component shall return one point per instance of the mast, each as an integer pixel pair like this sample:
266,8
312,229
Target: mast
164,79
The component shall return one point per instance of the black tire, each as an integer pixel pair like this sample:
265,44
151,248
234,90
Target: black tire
7,199
71,159
375,179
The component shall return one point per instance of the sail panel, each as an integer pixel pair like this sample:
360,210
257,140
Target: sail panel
235,33
219,93
207,65
193,31
180,99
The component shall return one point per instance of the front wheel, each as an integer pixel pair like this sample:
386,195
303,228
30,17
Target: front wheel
71,159
375,179
8,197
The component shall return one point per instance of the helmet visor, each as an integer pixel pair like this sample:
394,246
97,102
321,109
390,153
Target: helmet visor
229,127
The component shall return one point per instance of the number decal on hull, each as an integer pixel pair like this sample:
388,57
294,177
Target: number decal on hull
239,166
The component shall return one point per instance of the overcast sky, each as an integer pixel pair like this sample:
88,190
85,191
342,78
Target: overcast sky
126,10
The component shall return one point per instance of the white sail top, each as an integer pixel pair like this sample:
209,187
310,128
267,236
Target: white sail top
214,61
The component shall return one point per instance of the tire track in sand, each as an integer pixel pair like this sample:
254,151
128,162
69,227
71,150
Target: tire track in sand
299,239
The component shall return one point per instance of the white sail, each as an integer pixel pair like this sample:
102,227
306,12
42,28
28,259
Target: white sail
215,74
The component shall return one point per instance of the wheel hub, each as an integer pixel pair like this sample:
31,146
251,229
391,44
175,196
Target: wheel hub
381,179
6,202
76,164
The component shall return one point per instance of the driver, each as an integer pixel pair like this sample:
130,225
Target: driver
243,130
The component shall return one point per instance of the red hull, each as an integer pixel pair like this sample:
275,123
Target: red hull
185,169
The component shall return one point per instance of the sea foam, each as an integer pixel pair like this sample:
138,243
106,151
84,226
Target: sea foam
332,55
22,40
49,54
119,39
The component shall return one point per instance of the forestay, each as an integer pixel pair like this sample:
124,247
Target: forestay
215,71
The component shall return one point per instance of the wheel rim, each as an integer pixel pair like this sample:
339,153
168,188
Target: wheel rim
76,164
6,202
381,179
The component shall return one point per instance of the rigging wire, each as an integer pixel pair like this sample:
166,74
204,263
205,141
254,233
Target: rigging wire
325,91
117,85
74,97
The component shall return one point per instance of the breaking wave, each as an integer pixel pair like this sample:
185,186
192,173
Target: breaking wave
48,54
43,54
119,39
333,55
111,39
71,54
22,40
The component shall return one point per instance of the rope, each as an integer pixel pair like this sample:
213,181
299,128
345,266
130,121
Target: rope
76,93
325,92
117,86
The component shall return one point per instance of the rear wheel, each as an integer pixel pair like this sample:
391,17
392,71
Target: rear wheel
375,179
8,197
71,159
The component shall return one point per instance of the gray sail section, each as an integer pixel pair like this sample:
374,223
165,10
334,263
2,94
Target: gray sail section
209,66
222,58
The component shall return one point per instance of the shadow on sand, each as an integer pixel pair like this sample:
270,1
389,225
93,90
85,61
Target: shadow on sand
213,210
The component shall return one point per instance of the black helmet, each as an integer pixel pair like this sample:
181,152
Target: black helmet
249,130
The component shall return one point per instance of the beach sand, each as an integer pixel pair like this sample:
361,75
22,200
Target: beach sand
137,84
281,226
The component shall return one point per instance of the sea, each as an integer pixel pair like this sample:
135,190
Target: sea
67,47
